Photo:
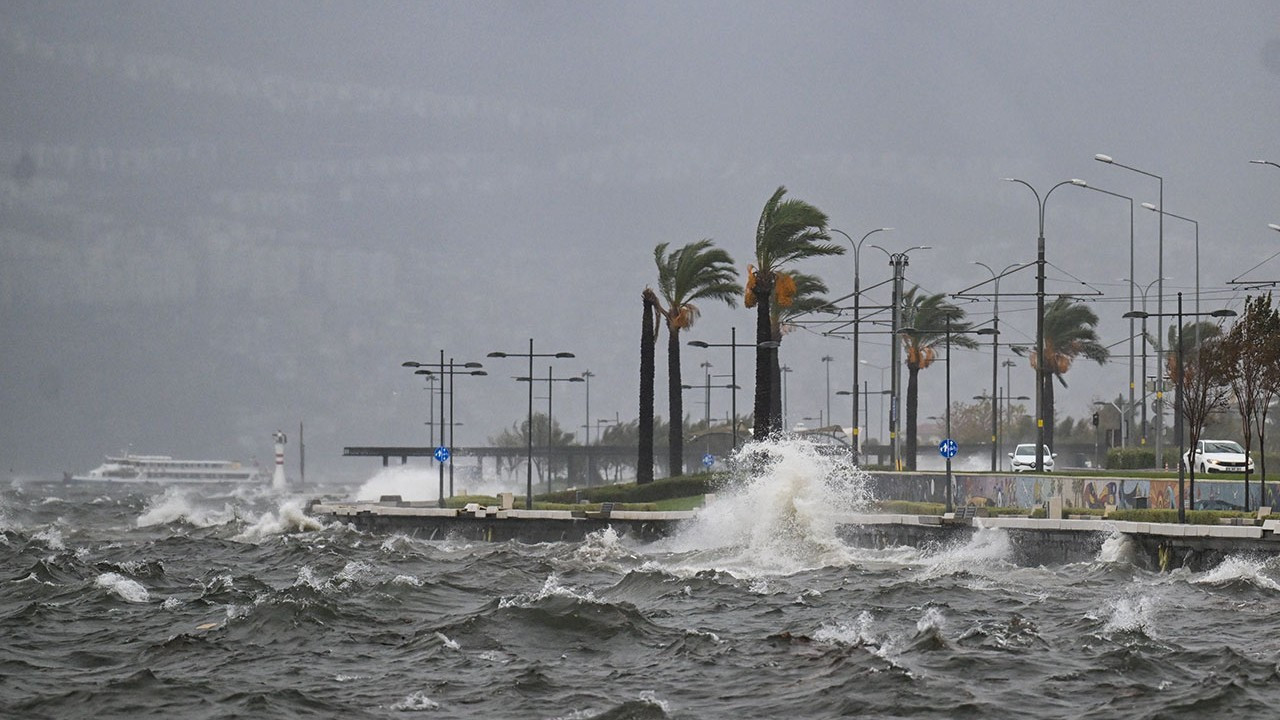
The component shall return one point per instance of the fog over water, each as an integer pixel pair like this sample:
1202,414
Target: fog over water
220,219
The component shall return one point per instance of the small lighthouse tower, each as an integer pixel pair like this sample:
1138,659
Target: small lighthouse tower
277,480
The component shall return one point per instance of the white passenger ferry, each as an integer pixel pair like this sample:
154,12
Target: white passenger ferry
162,469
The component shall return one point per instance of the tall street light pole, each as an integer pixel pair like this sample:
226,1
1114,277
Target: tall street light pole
1159,421
826,360
857,318
995,361
528,500
1153,208
586,429
1040,263
442,369
733,346
1132,307
551,380
898,261
1177,401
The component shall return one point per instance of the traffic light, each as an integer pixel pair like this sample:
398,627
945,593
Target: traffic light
1095,419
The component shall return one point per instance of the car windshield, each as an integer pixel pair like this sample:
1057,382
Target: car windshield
1223,446
1029,449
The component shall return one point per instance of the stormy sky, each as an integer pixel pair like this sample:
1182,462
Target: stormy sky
222,218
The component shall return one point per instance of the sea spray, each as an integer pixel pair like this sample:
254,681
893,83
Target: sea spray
410,482
777,515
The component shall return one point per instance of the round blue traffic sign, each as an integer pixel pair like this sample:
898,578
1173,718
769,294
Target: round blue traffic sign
442,454
948,448
708,460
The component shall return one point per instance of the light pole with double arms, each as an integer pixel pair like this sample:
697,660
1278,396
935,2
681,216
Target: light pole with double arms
733,370
1178,389
440,370
857,317
551,380
995,358
528,500
898,261
1040,360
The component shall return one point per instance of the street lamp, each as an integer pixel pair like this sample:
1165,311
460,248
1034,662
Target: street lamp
1153,208
898,261
586,429
826,360
1159,293
1264,162
1087,186
995,354
949,332
857,316
528,500
785,370
1177,401
438,370
550,381
733,369
1040,263
881,368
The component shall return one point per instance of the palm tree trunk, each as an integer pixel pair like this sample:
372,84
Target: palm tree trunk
766,422
644,464
1047,390
675,399
913,402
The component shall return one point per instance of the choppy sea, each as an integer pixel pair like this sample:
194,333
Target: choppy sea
173,603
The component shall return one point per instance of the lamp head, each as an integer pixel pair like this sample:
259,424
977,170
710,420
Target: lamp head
1103,158
698,344
496,354
565,355
1150,206
472,365
1223,313
1079,183
410,363
1274,226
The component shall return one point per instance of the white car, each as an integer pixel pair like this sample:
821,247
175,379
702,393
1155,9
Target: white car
1218,456
1024,457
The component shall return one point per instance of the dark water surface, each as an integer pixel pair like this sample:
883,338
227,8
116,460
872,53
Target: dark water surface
171,604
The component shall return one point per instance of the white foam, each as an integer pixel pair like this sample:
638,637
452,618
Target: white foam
1239,568
1117,548
416,702
51,538
410,482
290,518
122,587
1134,613
987,550
451,644
551,587
856,633
175,504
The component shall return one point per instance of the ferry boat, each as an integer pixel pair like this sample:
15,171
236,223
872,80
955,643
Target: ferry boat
162,469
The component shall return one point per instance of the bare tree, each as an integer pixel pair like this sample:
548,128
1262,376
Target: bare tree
1245,347
1205,381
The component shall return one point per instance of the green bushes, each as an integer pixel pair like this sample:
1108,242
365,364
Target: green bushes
1139,458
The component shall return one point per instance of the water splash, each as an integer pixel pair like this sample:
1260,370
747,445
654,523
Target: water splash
411,483
1117,548
1133,614
175,504
416,702
122,587
989,549
291,518
776,516
1239,569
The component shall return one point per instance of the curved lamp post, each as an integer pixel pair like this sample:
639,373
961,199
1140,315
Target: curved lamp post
995,357
898,261
857,316
733,346
1040,203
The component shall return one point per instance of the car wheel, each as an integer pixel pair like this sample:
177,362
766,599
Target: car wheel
1202,469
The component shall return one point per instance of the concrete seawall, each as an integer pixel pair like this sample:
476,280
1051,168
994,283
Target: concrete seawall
1154,546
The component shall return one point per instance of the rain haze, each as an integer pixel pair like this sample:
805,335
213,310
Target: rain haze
221,219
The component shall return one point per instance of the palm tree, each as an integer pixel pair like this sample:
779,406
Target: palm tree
788,230
930,315
806,298
698,271
1068,334
648,339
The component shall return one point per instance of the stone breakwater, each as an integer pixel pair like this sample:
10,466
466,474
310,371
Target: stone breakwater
1032,541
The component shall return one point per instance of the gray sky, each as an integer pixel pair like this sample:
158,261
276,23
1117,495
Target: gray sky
218,219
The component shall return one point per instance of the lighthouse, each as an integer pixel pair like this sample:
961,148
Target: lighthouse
277,480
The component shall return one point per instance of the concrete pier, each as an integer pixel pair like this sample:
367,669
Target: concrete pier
1154,546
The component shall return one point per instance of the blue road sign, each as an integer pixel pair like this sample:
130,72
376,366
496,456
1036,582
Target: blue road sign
708,460
442,454
948,448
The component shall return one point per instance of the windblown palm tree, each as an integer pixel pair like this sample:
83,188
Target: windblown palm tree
648,340
930,316
698,271
1068,334
806,298
789,230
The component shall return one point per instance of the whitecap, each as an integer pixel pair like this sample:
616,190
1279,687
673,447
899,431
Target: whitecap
856,633
51,538
451,644
1235,568
551,587
291,518
416,702
123,587
1133,613
174,505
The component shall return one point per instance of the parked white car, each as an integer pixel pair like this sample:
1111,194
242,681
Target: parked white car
1024,457
1218,456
